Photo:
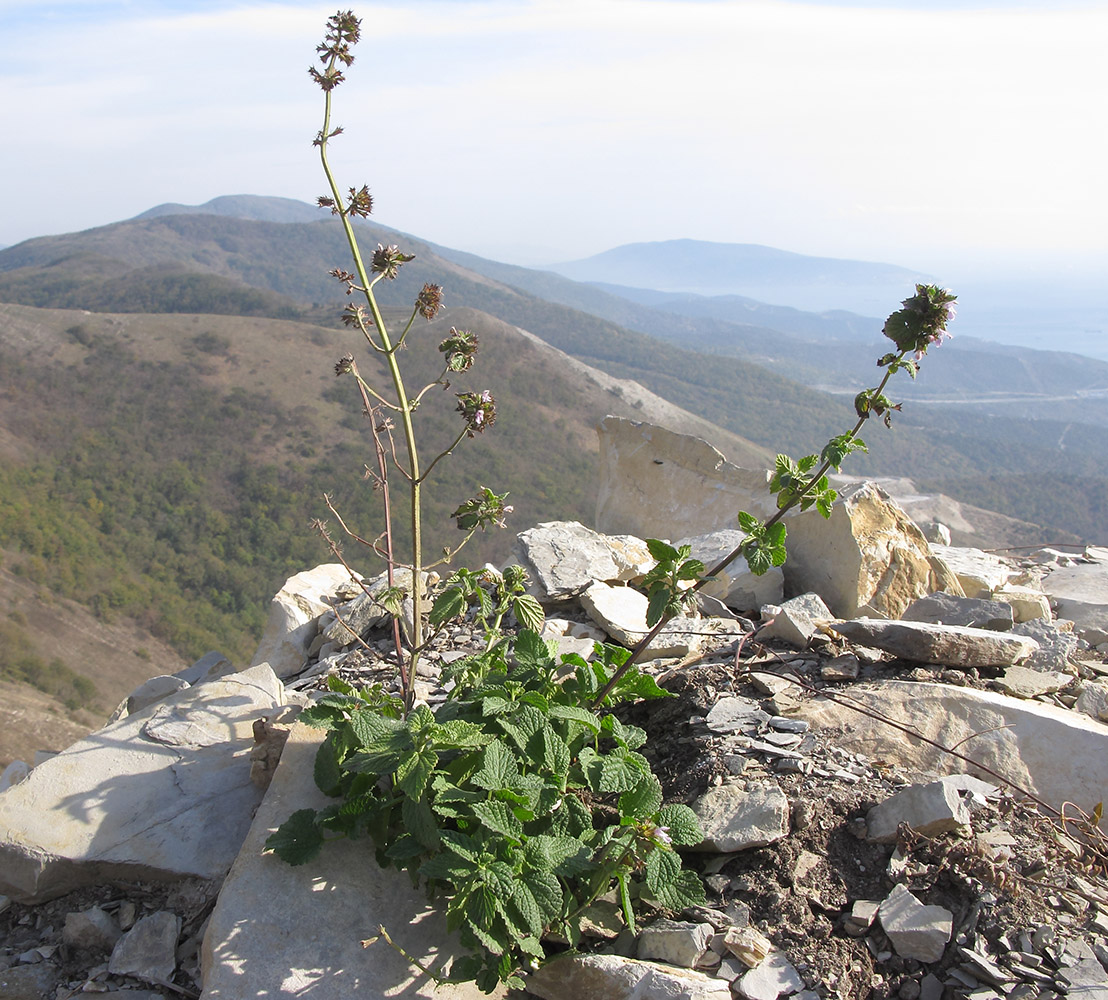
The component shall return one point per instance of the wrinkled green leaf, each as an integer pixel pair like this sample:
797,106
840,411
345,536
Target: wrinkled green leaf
298,840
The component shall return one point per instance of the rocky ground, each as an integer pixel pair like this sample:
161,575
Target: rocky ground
835,888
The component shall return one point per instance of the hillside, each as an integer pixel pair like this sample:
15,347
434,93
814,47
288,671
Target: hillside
163,470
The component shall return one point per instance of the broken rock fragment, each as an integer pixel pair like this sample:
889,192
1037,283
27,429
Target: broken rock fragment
734,817
915,930
950,645
934,808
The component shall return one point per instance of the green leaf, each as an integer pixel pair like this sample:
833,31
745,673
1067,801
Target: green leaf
748,522
529,612
657,605
685,890
661,551
622,771
415,771
498,817
461,844
690,569
404,848
574,713
369,726
457,734
456,803
629,737
447,867
524,723
297,840
661,870
525,904
546,890
531,651
642,801
682,824
498,768
321,716
552,751
451,603
419,821
327,774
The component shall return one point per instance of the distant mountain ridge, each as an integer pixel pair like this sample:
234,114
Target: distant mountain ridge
747,269
255,208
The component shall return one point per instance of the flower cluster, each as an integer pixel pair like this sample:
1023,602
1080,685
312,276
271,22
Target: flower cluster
429,301
922,322
487,508
343,30
459,347
387,260
479,410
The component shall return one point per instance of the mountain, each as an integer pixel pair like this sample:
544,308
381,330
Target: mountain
747,269
256,208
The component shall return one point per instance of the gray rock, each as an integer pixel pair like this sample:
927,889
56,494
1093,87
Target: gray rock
91,929
678,942
279,930
736,714
610,977
154,690
796,620
930,809
563,558
949,609
149,949
354,619
769,980
1023,682
28,982
160,794
1093,700
841,668
950,645
211,666
915,930
734,818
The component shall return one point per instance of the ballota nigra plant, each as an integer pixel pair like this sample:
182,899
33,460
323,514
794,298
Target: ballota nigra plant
522,798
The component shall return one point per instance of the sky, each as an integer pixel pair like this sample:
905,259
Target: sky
936,135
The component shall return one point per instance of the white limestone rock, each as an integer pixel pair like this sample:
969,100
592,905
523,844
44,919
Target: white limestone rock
1023,682
279,930
1056,754
610,977
621,613
563,558
154,690
1080,591
91,930
209,667
980,573
655,483
796,620
1093,700
677,942
915,930
733,817
770,979
869,556
950,645
1027,603
160,794
13,774
294,614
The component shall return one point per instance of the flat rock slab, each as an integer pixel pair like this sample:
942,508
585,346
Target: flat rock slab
734,818
948,609
1056,754
282,931
564,557
915,930
609,977
1081,591
1023,682
163,793
930,809
950,645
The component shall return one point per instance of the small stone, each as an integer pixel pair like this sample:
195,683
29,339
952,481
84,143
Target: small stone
148,950
91,929
915,930
930,809
769,980
841,668
677,942
733,818
749,945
